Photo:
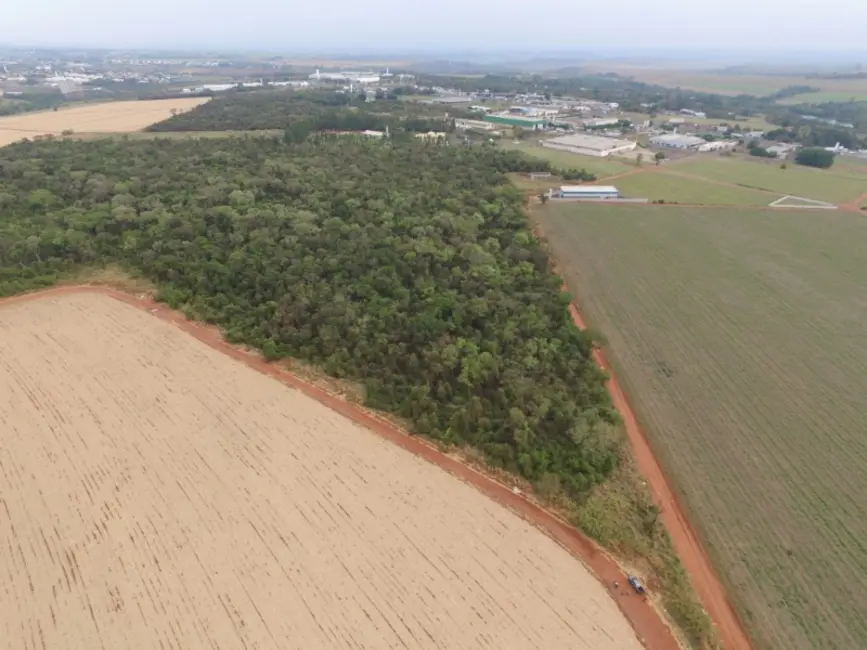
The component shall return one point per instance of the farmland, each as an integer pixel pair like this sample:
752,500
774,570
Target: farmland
820,97
739,338
111,117
159,493
822,185
670,187
711,81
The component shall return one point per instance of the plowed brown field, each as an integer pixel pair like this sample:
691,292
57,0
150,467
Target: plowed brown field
154,492
110,117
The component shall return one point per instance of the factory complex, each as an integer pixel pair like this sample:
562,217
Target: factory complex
590,145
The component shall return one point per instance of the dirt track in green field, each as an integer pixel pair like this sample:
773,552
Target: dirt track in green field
670,187
823,185
740,337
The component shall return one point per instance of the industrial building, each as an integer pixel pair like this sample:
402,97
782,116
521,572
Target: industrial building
590,145
533,111
451,99
517,120
347,76
600,122
718,145
478,125
589,192
677,141
781,150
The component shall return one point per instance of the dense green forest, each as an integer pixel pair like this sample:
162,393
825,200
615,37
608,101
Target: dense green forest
407,266
306,112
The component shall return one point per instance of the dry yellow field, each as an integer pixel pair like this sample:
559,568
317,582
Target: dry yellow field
155,493
111,117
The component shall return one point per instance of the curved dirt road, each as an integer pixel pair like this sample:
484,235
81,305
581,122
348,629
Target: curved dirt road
695,560
649,626
690,551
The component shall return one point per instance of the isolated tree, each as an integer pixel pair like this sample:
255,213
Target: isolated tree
543,197
639,159
659,157
761,152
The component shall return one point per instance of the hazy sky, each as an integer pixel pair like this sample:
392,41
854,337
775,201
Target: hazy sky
387,25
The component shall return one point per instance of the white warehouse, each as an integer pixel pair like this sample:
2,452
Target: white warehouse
677,141
590,145
589,192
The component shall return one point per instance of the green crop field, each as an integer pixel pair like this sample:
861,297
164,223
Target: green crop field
827,96
818,184
602,167
656,184
723,83
740,338
850,166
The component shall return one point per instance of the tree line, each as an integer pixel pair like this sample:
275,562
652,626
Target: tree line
300,113
408,267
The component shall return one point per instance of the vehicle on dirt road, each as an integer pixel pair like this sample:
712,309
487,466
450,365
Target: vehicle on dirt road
636,584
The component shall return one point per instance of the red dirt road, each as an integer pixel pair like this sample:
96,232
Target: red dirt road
855,206
701,572
695,560
649,626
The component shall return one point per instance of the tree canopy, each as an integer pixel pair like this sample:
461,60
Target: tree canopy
304,111
815,158
406,266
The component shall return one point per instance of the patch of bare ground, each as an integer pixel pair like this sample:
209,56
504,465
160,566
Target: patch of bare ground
158,493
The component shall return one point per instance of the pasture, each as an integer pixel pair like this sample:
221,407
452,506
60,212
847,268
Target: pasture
740,340
728,83
859,95
110,117
819,184
656,184
602,167
158,493
850,166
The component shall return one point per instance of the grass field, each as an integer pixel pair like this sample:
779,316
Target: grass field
110,117
830,185
827,96
850,166
602,167
158,493
740,340
656,184
735,84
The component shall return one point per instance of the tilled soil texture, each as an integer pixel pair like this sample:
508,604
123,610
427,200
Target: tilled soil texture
109,117
157,493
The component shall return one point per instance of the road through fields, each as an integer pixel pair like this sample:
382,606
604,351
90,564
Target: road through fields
689,549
